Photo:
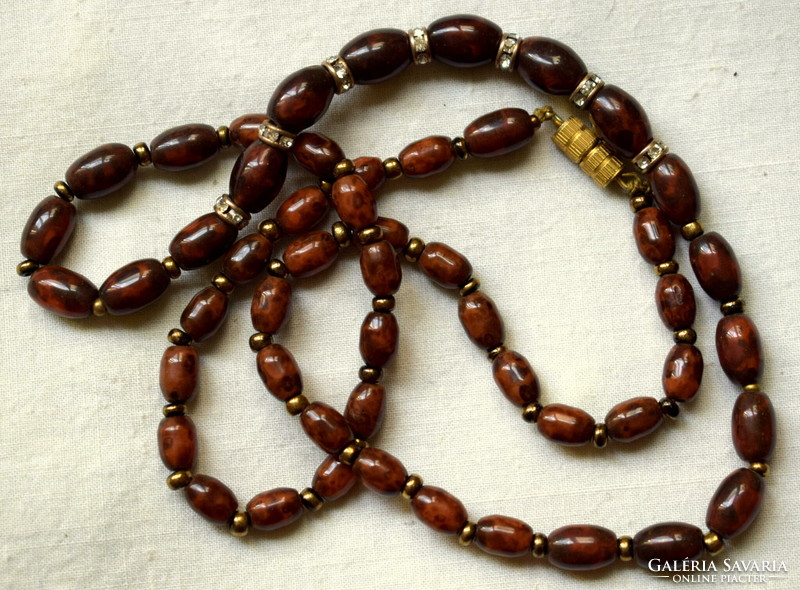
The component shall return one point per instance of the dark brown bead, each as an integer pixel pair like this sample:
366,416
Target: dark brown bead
258,176
271,303
377,55
581,547
394,232
675,301
247,258
379,335
675,191
668,543
211,499
178,374
371,170
184,147
550,66
326,427
134,286
205,313
427,156
333,479
302,210
202,241
177,442
365,409
279,372
565,425
653,235
102,171
381,472
632,419
444,265
380,268
503,535
440,510
499,133
464,40
275,509
620,120
715,266
753,427
310,254
739,349
736,503
301,98
354,202
317,153
481,320
244,130
683,372
515,378
62,291
48,228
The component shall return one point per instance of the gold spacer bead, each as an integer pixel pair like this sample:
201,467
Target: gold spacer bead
752,388
240,524
350,453
600,436
625,548
760,467
63,191
341,234
666,268
685,336
530,413
411,486
639,201
270,229
539,545
179,337
470,286
343,168
173,410
460,148
369,235
224,136
370,374
392,168
731,307
179,479
26,268
278,269
172,268
326,186
493,353
713,543
413,249
467,534
142,153
223,284
384,304
669,407
692,230
297,404
98,307
260,340
311,500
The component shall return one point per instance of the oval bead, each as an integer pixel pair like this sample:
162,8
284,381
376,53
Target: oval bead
317,153
326,427
632,419
377,55
177,442
675,301
365,409
620,120
739,349
202,241
715,266
668,543
271,303
674,189
178,374
444,265
378,342
371,170
302,210
427,156
102,171
581,547
464,40
515,378
549,66
499,133
380,268
184,147
753,427
62,291
653,235
247,258
736,503
204,314
279,372
134,286
243,131
310,254
504,536
565,425
481,320
258,176
333,479
440,510
211,499
275,509
683,372
394,232
381,472
354,202
301,98
48,228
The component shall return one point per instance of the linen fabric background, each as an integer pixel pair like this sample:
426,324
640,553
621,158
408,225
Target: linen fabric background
82,495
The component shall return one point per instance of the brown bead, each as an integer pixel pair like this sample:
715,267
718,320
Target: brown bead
439,509
275,509
444,265
715,266
333,479
317,153
134,286
675,301
739,349
178,374
481,320
258,176
427,156
549,65
48,228
326,427
753,427
683,372
394,232
620,120
632,419
653,235
379,335
515,378
247,258
668,543
365,409
202,241
736,503
177,442
184,147
310,254
244,130
377,55
380,268
381,472
204,314
565,425
503,535
581,547
371,170
674,189
102,171
302,210
211,499
271,303
464,41
301,98
354,202
499,133
279,372
62,291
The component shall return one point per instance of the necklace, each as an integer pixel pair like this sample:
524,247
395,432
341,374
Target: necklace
665,195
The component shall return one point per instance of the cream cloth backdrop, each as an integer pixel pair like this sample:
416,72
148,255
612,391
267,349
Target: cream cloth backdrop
82,495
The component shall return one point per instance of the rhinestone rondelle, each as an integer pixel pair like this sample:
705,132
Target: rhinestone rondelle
506,59
273,135
230,212
420,47
650,155
586,90
340,72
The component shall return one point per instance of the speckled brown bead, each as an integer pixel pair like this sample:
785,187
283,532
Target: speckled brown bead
102,171
481,320
464,40
675,301
244,130
379,336
317,153
515,378
620,120
440,510
310,254
301,98
326,427
565,425
62,291
715,266
271,303
669,543
549,65
134,286
683,372
365,409
377,55
184,147
177,442
247,258
381,472
48,228
739,349
444,265
302,210
427,156
674,189
753,427
178,374
371,170
211,499
258,176
634,418
380,268
204,314
279,372
499,133
202,241
653,235
503,535
275,509
333,479
354,201
736,503
394,232
581,547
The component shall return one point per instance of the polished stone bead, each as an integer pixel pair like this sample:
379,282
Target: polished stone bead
302,210
275,509
258,176
317,153
674,189
499,133
244,130
178,374
427,156
102,171
134,286
301,98
464,40
653,235
394,232
371,170
581,547
736,503
381,472
715,266
669,543
549,65
310,254
211,499
515,378
632,419
481,320
379,336
380,268
565,425
247,258
279,372
48,228
440,510
205,313
202,241
62,291
444,265
621,121
177,442
675,301
333,479
504,536
354,201
326,427
365,409
377,55
753,427
739,349
271,303
184,147
683,372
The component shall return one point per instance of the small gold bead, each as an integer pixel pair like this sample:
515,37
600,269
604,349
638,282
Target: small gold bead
311,500
467,534
26,268
172,268
625,548
223,284
224,136
413,249
142,153
731,307
539,545
666,268
326,186
260,340
179,479
240,524
685,336
369,235
639,201
278,269
713,543
392,168
350,453
370,374
470,286
530,413
752,388
179,337
270,229
412,486
343,168
493,353
63,191
760,467
98,307
600,437
341,234
460,148
384,304
692,230
669,407
297,404
173,410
